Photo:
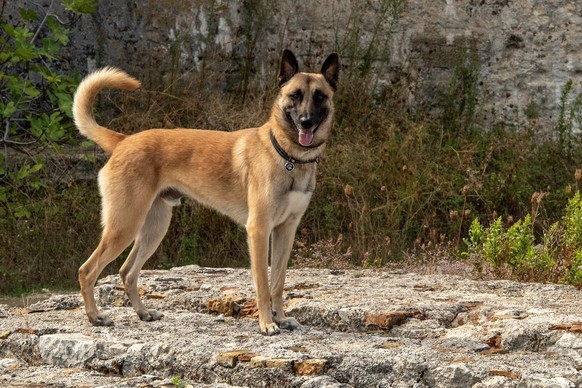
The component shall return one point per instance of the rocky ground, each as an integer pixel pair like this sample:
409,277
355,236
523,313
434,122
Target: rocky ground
361,328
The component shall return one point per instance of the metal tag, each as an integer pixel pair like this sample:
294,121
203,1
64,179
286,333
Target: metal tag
289,166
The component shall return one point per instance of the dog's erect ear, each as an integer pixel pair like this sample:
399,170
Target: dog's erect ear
289,67
330,70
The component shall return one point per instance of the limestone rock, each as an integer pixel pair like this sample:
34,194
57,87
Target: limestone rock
309,367
67,350
284,364
409,330
390,319
57,302
453,376
230,359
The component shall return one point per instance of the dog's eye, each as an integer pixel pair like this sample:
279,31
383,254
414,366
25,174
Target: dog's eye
319,96
296,96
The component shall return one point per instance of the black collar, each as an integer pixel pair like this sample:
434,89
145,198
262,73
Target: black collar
290,165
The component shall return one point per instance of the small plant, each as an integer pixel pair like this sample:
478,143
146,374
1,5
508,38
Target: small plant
514,249
493,244
570,116
573,222
503,248
572,239
573,273
461,103
178,382
520,243
474,238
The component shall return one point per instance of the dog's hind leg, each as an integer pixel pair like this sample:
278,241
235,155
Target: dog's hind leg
282,242
149,237
113,242
123,215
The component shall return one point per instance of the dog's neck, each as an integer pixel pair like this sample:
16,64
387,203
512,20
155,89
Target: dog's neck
291,161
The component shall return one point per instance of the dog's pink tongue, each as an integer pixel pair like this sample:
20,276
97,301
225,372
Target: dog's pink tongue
305,137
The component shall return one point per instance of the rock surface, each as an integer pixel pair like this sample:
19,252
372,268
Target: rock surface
361,328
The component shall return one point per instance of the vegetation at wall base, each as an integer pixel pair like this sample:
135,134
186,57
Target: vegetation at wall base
513,251
393,185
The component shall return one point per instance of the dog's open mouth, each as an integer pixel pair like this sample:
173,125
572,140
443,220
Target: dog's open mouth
305,137
305,134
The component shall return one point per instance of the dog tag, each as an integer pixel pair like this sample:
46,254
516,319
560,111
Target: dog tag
289,166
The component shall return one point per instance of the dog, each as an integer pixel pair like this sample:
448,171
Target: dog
262,178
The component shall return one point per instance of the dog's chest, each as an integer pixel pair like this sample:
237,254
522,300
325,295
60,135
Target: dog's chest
293,203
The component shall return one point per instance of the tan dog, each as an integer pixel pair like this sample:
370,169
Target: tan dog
261,177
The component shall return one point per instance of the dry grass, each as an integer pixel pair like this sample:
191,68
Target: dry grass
204,109
392,191
327,253
389,191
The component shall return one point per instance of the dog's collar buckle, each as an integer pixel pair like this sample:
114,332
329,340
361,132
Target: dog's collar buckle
290,164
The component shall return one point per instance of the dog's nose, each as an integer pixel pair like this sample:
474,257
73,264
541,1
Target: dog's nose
306,123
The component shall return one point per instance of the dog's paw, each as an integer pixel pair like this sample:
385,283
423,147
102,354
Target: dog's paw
289,323
101,320
270,329
150,315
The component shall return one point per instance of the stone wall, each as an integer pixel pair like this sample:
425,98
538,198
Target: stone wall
523,52
526,50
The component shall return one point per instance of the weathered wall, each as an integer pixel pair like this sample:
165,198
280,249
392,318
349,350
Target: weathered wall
525,51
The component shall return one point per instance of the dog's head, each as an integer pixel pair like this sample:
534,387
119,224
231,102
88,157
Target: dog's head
305,100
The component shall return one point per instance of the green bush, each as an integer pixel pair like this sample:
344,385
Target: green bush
513,250
35,98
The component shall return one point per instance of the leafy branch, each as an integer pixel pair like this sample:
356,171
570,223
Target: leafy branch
35,98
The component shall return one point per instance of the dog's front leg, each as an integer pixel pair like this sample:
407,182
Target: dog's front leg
258,231
282,242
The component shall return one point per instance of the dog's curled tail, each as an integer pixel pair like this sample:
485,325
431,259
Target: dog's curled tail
108,77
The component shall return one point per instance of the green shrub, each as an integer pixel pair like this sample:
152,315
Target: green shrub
35,115
573,222
36,107
493,244
513,250
35,99
573,272
573,240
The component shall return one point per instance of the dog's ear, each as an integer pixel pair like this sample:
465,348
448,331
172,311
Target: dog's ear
289,67
330,70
